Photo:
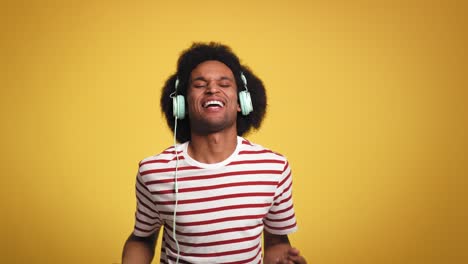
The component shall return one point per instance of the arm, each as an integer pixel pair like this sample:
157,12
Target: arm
278,250
139,250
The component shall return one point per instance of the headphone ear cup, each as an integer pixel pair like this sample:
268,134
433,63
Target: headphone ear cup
178,106
245,102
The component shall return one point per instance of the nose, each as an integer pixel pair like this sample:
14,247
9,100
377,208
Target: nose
211,88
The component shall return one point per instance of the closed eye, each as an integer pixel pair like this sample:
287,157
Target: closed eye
199,84
225,82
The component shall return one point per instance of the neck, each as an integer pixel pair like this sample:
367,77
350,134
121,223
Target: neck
212,148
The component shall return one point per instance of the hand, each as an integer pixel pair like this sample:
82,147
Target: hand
283,254
294,257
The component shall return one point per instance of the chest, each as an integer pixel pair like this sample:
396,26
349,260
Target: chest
207,198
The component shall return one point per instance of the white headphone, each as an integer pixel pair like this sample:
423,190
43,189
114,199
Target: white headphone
178,101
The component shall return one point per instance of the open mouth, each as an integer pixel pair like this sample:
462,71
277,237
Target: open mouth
213,103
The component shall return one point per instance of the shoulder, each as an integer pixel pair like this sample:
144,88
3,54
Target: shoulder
159,160
250,148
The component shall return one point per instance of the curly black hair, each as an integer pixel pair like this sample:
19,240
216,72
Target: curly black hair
190,59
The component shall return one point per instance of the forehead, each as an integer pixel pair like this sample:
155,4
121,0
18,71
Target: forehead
211,68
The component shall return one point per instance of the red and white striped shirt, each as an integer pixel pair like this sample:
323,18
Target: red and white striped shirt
222,208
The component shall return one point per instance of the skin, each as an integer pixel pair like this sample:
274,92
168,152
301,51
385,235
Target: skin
278,250
213,130
139,250
213,139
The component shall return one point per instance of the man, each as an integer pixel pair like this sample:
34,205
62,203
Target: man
215,193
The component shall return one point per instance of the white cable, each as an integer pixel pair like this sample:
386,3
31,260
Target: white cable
176,189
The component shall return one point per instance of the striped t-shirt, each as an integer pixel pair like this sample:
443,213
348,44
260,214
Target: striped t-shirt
222,208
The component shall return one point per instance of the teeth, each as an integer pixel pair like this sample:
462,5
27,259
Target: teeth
218,103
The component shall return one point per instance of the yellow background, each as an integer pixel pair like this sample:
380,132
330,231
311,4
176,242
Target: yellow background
367,99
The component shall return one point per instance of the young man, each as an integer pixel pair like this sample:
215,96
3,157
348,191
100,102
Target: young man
215,193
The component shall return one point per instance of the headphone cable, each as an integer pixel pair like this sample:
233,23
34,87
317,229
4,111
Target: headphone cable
176,190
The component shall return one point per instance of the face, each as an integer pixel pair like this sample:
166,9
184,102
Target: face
212,98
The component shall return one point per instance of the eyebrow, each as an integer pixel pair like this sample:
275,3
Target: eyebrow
201,78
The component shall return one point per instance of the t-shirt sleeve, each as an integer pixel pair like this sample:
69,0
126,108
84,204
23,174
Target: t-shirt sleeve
147,218
281,219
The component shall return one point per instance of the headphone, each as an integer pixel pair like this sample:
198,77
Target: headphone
178,101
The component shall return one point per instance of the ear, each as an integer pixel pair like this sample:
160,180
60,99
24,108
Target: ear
238,108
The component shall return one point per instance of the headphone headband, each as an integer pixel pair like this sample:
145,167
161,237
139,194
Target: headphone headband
244,80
